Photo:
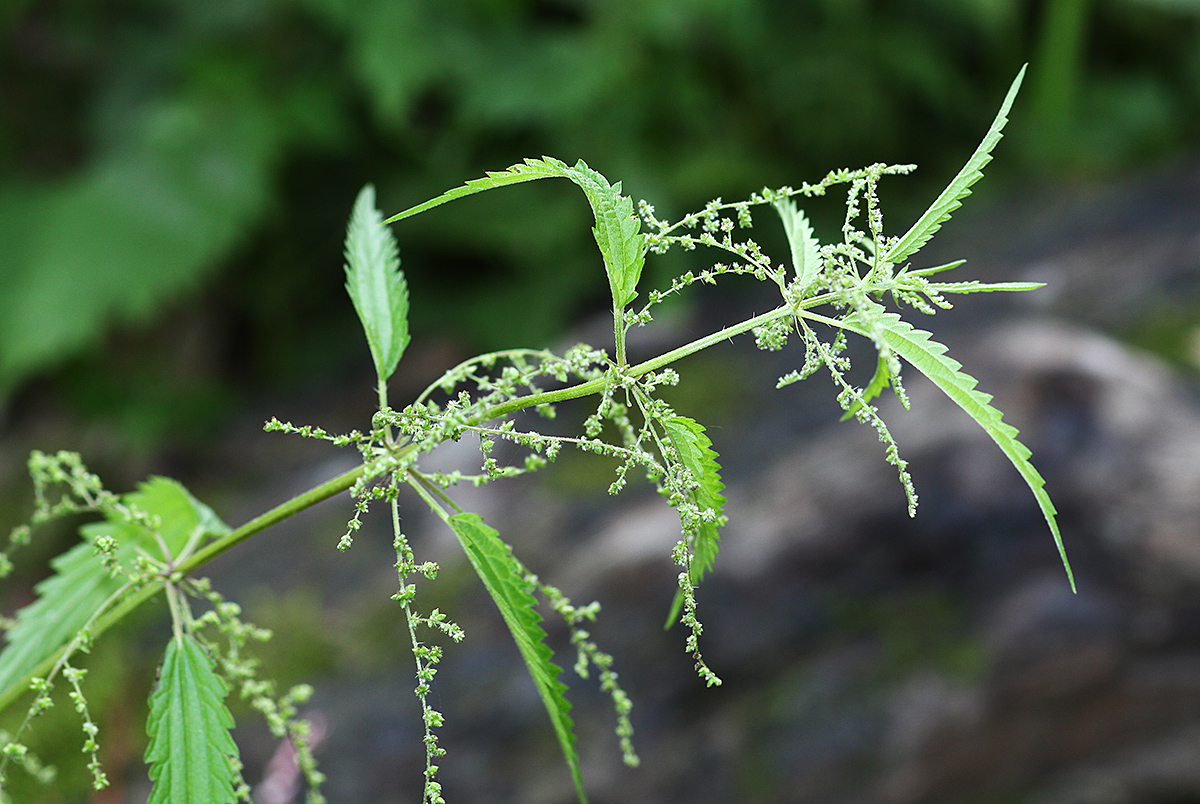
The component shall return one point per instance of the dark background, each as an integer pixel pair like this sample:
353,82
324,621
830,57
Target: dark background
175,179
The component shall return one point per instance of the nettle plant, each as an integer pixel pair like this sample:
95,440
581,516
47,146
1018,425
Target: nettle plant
151,542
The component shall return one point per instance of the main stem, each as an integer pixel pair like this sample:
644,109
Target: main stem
641,369
344,481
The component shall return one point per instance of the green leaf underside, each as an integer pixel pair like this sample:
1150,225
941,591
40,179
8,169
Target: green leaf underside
191,751
806,251
501,575
696,452
617,230
882,379
929,357
376,284
951,198
81,584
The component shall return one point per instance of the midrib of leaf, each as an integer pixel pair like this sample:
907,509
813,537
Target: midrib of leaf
951,198
501,575
929,357
806,254
617,232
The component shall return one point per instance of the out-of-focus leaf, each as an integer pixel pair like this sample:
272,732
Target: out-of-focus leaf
136,227
81,584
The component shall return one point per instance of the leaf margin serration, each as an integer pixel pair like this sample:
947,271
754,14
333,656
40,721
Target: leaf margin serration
496,567
189,700
932,359
80,583
959,188
696,451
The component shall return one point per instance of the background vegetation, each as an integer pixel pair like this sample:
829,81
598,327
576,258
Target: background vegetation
174,153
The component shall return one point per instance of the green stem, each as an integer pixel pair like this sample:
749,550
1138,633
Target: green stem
700,344
435,489
174,604
277,514
619,333
418,483
593,386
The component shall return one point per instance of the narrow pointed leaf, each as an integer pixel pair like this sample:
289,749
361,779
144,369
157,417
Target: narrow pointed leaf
958,189
376,284
191,752
937,269
81,584
529,170
696,453
501,575
930,358
806,251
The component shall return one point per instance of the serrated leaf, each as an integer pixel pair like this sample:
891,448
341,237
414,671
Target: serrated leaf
81,584
951,198
529,170
191,752
376,284
695,451
501,575
881,379
806,251
931,359
617,230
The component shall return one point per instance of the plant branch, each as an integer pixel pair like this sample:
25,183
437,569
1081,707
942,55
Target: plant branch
260,523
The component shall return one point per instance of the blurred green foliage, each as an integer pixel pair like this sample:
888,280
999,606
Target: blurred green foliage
153,148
